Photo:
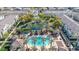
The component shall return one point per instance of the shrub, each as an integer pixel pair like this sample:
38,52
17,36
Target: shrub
5,35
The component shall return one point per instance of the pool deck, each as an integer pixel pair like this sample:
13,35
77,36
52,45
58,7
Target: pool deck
60,45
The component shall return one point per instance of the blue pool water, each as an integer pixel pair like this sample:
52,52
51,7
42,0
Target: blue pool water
38,41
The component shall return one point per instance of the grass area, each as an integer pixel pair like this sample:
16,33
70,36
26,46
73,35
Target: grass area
25,30
5,47
37,26
2,39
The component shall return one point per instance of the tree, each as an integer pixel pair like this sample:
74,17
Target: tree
44,16
51,20
56,22
26,18
41,15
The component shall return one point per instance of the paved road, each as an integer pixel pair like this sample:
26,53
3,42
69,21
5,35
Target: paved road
19,12
54,12
9,19
12,12
71,24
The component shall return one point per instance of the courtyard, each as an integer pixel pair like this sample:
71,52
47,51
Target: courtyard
35,32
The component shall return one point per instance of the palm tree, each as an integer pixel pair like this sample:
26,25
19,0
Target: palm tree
42,48
31,33
41,32
46,26
25,41
51,44
34,47
57,22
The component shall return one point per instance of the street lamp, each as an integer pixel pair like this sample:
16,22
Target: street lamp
77,39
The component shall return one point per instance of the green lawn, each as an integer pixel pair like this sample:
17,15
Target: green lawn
3,48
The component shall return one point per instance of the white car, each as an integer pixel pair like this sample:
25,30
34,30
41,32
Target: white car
1,17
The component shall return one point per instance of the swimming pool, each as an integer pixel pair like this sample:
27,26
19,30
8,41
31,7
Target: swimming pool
38,41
